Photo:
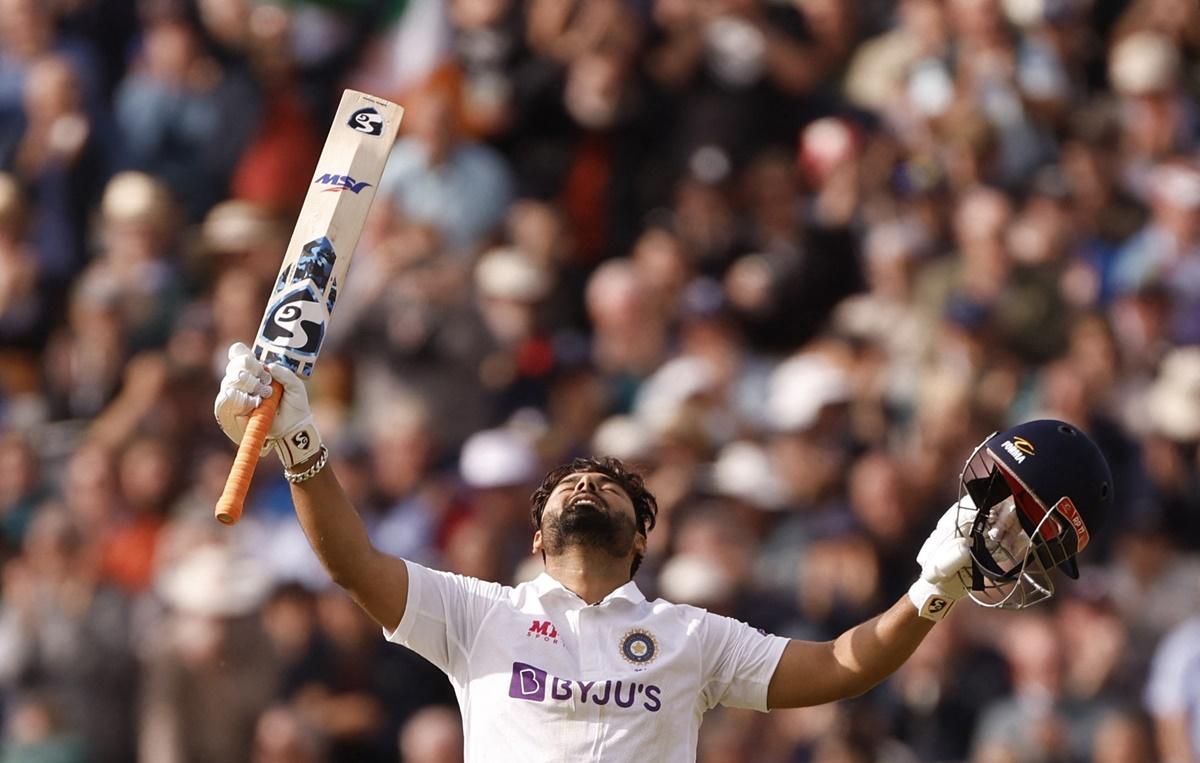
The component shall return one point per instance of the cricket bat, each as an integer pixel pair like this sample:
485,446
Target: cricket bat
315,263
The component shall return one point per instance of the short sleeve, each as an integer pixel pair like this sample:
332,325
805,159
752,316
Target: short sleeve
1175,672
443,615
738,662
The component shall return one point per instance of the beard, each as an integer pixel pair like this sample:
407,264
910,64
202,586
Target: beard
585,524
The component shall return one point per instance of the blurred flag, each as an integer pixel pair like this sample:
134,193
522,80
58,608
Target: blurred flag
417,39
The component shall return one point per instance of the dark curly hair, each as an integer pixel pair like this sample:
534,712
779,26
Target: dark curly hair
645,508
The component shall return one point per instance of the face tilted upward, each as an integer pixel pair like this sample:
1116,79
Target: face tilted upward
589,509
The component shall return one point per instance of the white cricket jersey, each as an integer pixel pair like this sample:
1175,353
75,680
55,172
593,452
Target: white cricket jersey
542,676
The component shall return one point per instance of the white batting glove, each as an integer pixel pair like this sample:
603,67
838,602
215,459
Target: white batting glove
943,558
246,383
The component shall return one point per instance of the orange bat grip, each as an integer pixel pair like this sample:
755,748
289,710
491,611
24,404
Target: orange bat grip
230,504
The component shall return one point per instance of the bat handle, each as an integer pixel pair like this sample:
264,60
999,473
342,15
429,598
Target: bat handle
233,498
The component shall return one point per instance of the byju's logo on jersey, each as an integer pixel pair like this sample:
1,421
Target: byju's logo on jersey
339,183
367,120
533,684
639,646
528,683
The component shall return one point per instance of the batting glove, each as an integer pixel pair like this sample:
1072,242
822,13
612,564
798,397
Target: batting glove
246,383
943,557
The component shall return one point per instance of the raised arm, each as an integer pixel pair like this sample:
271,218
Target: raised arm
813,673
378,582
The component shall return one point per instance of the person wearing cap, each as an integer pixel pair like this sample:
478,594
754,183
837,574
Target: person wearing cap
577,664
210,672
1165,253
138,228
1147,71
498,466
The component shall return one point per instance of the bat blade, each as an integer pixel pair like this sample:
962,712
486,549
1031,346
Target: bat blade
315,263
327,230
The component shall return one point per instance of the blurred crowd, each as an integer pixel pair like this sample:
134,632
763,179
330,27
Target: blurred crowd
794,258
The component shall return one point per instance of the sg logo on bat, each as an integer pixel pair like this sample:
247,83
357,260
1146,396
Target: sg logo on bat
296,322
367,120
294,326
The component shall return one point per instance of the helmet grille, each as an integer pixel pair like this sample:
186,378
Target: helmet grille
1015,540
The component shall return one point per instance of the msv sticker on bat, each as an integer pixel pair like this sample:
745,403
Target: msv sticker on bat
367,120
294,326
338,183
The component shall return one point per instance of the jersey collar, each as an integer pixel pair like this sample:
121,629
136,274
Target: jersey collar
545,585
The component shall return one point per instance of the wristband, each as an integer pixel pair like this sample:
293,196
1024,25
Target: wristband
299,444
931,602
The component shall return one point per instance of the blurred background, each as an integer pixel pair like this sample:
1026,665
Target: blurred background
794,257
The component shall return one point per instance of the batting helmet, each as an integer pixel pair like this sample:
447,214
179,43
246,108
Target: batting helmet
1054,480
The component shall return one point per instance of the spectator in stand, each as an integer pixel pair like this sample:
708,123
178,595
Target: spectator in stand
489,47
281,736
882,507
83,358
59,157
1125,736
1158,118
182,117
146,476
511,290
138,261
67,636
433,735
1032,721
754,59
25,300
630,335
21,492
1152,576
938,698
498,468
36,731
1169,446
403,449
29,31
208,671
360,692
1166,252
1171,694
436,175
275,167
886,315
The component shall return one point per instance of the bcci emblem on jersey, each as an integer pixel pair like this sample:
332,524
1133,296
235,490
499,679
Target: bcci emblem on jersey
639,646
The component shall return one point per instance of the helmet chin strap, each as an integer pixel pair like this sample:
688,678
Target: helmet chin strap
982,557
986,493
